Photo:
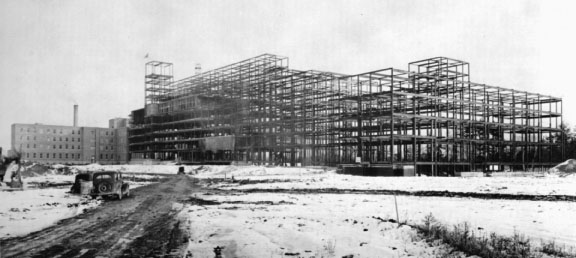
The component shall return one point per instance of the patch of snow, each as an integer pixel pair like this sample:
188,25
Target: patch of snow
23,212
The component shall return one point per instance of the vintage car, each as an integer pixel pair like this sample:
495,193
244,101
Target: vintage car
109,184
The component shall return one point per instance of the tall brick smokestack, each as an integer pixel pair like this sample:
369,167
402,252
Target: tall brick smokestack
75,115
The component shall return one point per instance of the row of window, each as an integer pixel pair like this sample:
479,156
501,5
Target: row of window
66,147
60,155
60,131
47,131
66,156
53,146
106,156
50,138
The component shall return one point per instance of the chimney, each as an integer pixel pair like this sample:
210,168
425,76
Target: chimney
197,69
75,115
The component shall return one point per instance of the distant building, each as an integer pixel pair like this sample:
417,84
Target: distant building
118,122
56,144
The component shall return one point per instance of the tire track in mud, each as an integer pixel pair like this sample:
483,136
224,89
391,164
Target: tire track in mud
142,225
526,197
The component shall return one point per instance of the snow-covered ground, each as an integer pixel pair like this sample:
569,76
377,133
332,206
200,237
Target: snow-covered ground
320,177
299,226
280,224
538,220
551,185
31,210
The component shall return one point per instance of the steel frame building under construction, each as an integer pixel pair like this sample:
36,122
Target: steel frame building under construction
429,117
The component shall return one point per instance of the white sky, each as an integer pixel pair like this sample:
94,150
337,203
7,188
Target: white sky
58,53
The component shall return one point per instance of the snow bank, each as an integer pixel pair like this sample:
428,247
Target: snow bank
568,166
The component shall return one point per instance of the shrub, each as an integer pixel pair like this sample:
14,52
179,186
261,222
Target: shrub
463,239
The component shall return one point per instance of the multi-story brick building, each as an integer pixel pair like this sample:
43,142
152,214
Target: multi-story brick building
55,144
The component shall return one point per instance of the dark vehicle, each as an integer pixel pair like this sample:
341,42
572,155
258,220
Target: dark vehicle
80,178
109,183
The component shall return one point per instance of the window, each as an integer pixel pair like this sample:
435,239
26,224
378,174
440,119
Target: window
72,138
78,139
27,146
53,155
54,139
54,147
34,137
106,133
60,138
60,131
21,129
34,155
102,177
27,155
106,147
66,146
72,146
27,138
60,155
66,138
101,156
112,147
54,130
66,155
73,131
78,156
34,145
60,146
41,156
106,156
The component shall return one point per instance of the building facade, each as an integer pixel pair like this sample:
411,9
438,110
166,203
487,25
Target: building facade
53,144
430,117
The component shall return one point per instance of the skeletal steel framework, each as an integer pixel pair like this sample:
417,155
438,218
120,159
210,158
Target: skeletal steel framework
430,117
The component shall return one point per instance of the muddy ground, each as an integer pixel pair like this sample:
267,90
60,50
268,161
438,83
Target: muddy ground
142,225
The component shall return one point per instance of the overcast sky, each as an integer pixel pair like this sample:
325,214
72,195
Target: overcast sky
55,54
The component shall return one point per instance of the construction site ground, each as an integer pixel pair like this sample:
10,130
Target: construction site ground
258,211
142,225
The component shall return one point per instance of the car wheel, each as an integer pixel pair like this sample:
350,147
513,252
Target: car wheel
104,187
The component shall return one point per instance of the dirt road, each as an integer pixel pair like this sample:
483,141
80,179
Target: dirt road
142,225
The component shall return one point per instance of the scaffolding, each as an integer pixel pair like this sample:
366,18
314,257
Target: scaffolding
430,117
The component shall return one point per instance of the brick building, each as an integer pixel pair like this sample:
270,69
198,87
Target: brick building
55,144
